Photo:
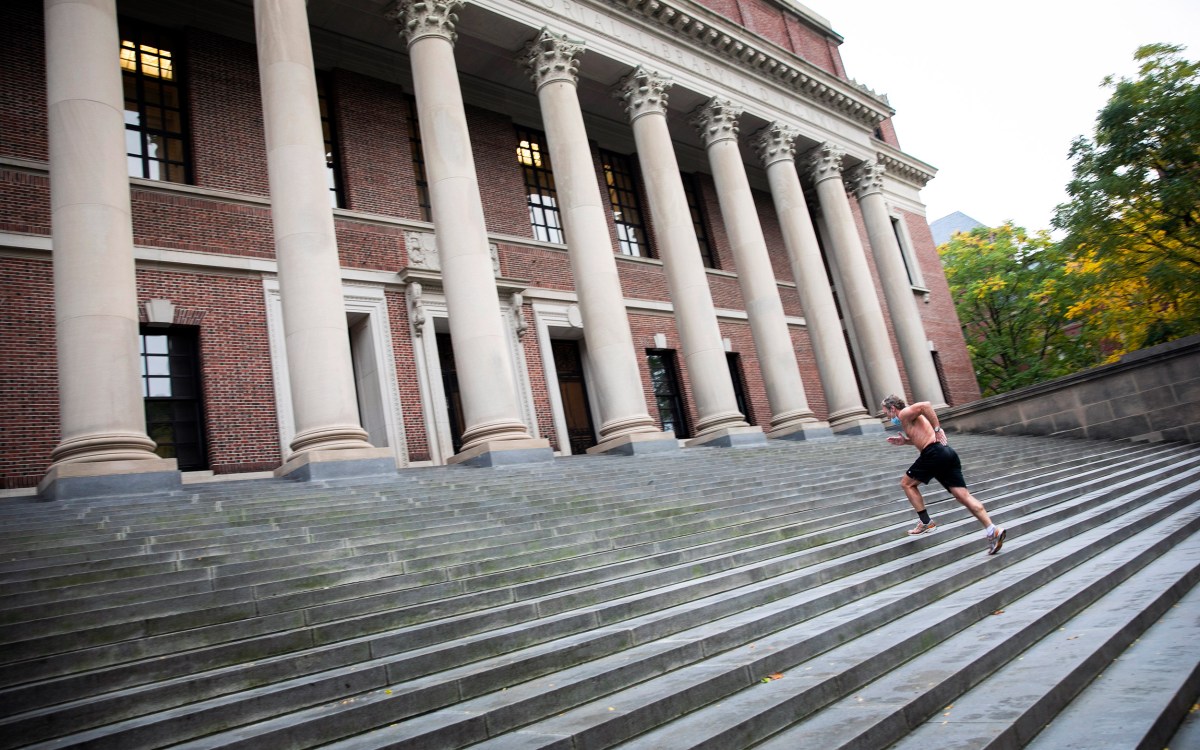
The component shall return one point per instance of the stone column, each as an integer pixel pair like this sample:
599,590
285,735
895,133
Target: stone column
494,431
625,422
329,441
716,123
720,423
104,447
867,182
776,147
859,301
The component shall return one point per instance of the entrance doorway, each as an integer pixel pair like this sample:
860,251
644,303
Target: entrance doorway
171,394
454,409
581,433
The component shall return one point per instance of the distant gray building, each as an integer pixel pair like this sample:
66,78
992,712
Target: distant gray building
944,228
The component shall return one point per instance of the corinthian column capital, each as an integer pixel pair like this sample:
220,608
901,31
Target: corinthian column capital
825,162
776,142
716,121
551,57
866,178
416,19
644,92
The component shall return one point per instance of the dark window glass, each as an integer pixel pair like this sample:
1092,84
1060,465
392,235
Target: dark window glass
333,167
539,186
625,203
903,255
418,160
699,220
941,376
664,376
454,410
155,123
739,385
172,396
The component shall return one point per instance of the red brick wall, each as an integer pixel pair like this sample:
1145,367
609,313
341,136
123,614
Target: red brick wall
29,421
501,181
228,146
236,381
371,125
23,87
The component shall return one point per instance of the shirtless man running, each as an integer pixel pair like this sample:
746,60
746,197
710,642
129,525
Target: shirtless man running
919,427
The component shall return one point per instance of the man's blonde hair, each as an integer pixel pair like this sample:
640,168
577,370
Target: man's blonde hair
894,401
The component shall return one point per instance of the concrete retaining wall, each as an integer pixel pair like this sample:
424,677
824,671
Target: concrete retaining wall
1152,395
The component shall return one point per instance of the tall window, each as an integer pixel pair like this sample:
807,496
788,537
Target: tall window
626,206
418,160
539,186
664,376
699,221
333,168
910,262
171,394
734,360
155,128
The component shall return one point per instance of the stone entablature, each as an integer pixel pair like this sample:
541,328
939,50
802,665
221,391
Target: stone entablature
702,37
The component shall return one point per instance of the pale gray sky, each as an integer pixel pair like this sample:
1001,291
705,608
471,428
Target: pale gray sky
993,94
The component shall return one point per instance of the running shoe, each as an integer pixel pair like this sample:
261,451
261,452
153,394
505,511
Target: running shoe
996,541
921,528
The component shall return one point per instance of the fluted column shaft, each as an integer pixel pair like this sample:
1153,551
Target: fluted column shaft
695,315
717,125
776,148
860,301
488,390
551,61
867,182
95,293
314,318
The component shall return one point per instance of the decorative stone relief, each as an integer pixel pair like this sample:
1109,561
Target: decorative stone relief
517,304
775,142
422,250
825,162
160,312
644,92
551,57
865,179
423,18
416,309
716,121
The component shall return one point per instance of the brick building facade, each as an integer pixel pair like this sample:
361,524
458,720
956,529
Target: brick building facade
207,279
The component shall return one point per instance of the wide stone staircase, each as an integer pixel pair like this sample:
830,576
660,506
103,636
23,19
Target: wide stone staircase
716,598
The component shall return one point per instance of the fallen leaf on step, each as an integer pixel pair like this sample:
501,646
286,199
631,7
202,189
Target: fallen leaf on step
998,612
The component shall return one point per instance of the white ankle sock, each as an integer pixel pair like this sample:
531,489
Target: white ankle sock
991,531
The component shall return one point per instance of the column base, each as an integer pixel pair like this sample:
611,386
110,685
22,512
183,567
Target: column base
804,431
862,425
729,437
638,444
82,479
505,453
351,463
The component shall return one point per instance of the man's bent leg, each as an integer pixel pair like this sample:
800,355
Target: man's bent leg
970,503
912,490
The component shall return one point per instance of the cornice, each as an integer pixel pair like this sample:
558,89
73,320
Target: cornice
703,28
904,167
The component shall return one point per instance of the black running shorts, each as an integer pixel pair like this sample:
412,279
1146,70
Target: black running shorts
938,462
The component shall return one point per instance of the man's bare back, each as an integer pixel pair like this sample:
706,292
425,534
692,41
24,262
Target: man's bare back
919,426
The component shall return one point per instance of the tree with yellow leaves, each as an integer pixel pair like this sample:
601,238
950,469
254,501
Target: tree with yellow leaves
1012,294
1133,222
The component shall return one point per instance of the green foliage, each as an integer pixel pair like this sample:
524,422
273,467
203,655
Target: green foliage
1133,222
1012,293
